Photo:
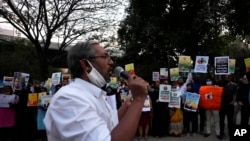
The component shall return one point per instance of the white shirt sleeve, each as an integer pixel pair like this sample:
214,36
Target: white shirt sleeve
184,86
66,122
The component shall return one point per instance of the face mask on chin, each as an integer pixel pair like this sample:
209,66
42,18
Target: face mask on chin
209,82
95,77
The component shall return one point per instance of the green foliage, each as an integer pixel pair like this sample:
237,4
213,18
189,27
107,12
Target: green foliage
157,32
238,17
18,56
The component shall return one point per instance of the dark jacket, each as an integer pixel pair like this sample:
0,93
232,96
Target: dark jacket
228,95
243,93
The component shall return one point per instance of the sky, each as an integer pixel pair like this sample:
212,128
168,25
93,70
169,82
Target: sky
119,17
5,25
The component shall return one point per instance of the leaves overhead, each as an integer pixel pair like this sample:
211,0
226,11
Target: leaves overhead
66,20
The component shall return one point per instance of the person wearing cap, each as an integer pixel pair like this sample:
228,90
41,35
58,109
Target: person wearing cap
79,111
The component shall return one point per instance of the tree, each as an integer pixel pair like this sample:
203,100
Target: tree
238,17
18,56
66,20
159,31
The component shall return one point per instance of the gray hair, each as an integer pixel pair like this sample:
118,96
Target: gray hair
77,52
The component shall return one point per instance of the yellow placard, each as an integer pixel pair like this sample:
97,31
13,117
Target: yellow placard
130,68
174,74
32,99
247,63
232,63
184,63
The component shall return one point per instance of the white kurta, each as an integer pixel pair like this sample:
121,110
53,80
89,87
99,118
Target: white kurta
80,112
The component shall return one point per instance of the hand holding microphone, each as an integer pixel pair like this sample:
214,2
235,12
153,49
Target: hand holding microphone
137,85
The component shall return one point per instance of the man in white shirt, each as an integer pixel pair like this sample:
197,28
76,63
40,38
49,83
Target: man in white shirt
80,111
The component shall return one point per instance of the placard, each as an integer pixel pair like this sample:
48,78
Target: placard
130,68
163,73
155,76
247,63
184,63
201,63
146,106
174,74
6,99
191,102
221,65
232,63
175,100
32,99
8,81
164,93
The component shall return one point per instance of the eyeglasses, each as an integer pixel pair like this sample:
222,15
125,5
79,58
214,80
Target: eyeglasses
106,57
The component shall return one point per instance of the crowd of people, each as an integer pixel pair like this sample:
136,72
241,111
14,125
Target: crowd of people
163,121
19,121
178,122
80,110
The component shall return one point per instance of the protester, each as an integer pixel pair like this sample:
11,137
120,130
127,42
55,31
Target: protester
65,82
182,88
190,117
25,121
211,114
145,119
227,105
176,117
160,118
7,113
243,99
79,111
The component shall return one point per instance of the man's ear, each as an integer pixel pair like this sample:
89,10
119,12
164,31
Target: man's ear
85,65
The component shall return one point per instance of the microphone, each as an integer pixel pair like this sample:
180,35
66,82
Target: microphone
120,72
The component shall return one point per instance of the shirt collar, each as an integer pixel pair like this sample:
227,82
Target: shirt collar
93,89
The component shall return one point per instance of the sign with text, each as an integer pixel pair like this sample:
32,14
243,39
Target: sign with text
221,65
164,93
175,100
155,76
240,132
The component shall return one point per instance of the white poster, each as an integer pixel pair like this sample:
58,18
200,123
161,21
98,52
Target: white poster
155,76
6,99
175,100
25,79
56,78
164,93
8,81
163,73
201,63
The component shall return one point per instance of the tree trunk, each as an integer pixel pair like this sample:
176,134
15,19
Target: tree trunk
43,61
44,68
